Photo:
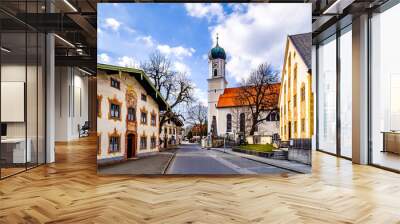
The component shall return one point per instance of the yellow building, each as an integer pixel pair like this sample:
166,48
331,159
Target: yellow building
296,99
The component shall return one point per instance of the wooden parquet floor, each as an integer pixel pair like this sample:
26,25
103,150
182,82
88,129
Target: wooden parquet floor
70,191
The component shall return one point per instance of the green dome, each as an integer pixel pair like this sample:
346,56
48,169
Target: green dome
217,52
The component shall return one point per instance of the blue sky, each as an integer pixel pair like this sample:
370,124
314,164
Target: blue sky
249,33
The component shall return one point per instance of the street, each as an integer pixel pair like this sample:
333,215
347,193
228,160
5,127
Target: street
192,159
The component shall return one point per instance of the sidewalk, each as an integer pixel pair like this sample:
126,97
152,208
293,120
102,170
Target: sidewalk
151,164
284,164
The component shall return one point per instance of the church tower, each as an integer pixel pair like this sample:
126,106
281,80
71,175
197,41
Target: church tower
216,84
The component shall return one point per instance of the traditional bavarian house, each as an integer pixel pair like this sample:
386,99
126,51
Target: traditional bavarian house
128,109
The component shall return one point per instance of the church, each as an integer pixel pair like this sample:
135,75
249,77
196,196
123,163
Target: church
226,117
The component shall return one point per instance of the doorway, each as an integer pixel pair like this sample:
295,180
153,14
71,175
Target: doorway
131,146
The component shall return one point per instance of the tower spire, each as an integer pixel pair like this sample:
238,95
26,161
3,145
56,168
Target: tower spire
217,39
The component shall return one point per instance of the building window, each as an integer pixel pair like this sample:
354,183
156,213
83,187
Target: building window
165,131
242,123
326,105
303,125
215,72
114,144
273,116
144,97
228,123
303,93
153,120
295,73
115,83
214,125
294,100
131,114
143,142
153,142
143,117
295,126
115,111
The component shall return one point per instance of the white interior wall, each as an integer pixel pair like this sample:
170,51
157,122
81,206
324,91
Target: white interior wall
71,102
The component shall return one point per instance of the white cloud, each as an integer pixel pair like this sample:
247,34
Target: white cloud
112,23
178,51
146,40
129,29
103,58
205,10
127,61
182,68
201,95
204,56
261,30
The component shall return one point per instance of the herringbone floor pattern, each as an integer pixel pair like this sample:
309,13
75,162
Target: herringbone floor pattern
70,191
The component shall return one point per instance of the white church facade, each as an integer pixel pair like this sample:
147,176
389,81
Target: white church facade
225,115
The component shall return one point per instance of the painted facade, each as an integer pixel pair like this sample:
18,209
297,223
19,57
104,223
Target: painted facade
296,100
128,116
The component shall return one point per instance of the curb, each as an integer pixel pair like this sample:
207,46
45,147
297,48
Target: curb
168,163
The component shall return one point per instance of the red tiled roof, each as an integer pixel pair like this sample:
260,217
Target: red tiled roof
231,95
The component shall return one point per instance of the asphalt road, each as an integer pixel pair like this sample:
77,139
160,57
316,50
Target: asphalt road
191,159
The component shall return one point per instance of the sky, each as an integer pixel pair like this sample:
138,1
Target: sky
185,32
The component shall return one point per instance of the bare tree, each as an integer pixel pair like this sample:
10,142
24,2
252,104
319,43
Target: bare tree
175,87
258,94
197,116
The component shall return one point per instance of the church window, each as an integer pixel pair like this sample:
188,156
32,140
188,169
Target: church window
215,72
228,123
273,116
242,122
214,126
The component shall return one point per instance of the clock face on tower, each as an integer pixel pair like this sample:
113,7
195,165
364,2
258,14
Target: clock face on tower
215,65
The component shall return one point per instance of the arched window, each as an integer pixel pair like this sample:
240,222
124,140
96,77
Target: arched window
242,122
273,116
215,72
214,126
228,123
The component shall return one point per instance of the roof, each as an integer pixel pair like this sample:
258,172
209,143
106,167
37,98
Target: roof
217,52
142,78
302,42
230,96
